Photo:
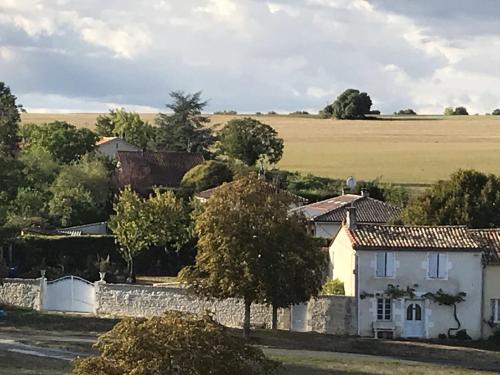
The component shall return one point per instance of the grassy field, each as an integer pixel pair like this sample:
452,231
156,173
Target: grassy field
407,150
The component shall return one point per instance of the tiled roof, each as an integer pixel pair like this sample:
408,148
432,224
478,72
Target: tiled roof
104,140
205,194
489,240
144,170
398,237
368,210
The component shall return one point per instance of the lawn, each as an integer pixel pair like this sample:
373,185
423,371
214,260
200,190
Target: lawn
408,150
300,353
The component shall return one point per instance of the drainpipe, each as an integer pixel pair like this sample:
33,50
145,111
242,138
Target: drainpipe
483,266
358,300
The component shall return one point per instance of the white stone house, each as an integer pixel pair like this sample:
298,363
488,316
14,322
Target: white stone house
325,217
369,258
489,239
109,146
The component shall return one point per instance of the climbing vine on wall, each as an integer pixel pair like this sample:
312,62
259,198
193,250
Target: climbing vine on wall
442,298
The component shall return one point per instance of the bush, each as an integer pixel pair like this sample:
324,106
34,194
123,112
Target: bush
405,112
333,287
207,175
174,343
458,111
225,112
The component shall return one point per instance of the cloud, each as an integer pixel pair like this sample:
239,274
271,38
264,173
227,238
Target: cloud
251,55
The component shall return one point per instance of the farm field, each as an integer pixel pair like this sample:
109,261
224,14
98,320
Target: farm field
402,150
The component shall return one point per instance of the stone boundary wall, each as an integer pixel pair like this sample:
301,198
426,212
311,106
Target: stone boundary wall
336,315
23,293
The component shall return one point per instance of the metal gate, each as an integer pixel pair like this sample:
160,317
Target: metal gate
69,293
298,318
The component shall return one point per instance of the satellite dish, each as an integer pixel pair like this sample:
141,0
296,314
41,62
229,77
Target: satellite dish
350,182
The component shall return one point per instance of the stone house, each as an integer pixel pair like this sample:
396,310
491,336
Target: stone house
109,146
326,217
415,261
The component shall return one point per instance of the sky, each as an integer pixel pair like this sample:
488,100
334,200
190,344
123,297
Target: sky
250,55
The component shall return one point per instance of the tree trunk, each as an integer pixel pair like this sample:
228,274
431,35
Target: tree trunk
456,320
274,324
246,322
131,273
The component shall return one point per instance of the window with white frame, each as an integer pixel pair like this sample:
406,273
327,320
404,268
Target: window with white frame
437,265
495,310
384,309
385,264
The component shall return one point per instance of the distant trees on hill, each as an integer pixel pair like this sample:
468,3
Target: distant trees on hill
226,112
405,112
458,111
496,112
351,104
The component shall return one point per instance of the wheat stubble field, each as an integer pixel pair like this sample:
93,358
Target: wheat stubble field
410,150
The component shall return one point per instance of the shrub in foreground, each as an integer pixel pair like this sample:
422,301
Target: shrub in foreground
174,343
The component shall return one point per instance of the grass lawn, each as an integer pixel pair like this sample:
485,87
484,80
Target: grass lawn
408,150
301,353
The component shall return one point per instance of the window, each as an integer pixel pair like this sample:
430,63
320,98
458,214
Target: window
384,309
414,312
437,265
385,264
495,310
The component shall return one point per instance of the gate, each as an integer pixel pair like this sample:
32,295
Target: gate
69,293
298,317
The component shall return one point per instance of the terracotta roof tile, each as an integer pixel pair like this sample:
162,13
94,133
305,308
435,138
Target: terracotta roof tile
426,238
490,243
104,140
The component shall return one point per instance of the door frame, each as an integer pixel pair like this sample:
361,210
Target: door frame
421,303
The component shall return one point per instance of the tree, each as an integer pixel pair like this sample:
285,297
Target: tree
171,344
39,167
81,193
458,111
9,119
406,112
468,198
65,142
496,112
127,125
351,104
244,245
250,140
209,174
185,129
140,223
29,207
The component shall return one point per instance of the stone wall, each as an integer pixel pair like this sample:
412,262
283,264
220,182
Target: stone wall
336,315
21,293
115,300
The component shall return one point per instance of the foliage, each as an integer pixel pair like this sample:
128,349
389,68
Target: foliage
442,298
65,142
39,167
351,104
333,287
406,112
250,140
496,112
184,129
209,174
11,175
29,205
468,198
395,292
81,192
127,125
458,111
171,344
140,223
248,248
226,112
9,119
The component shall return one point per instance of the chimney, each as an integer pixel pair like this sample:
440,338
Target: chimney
351,217
365,192
344,190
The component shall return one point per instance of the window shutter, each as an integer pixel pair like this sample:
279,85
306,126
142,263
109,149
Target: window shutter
432,265
390,265
443,266
380,265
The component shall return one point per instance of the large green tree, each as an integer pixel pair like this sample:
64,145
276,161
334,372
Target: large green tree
250,140
351,104
127,125
240,248
186,128
9,119
468,198
65,142
208,174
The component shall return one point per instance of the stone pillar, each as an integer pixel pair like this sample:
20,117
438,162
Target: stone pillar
42,288
97,290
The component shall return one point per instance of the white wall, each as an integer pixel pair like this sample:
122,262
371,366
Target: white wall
343,262
491,291
464,275
112,147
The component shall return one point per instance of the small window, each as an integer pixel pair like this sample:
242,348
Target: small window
385,264
414,312
437,265
495,310
384,309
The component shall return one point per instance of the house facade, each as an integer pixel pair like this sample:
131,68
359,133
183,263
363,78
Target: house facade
109,146
393,270
325,217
